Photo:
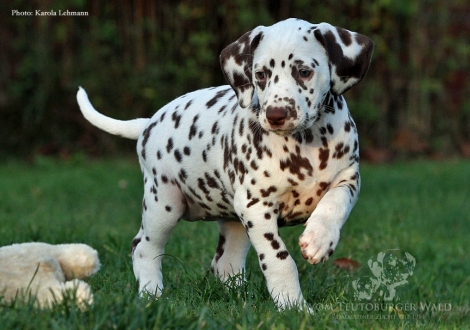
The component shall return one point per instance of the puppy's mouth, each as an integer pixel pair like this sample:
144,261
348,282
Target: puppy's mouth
292,128
284,132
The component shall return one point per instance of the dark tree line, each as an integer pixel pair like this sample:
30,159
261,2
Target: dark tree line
135,56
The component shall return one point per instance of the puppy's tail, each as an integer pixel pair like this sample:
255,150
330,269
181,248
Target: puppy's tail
130,129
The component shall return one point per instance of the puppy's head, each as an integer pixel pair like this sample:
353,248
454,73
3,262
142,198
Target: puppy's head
284,71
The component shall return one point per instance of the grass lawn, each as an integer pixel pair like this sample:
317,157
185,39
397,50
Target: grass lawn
422,208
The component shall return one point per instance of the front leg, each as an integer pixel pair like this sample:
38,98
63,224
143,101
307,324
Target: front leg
321,235
278,266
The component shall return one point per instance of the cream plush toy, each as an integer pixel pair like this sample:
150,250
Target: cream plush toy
46,272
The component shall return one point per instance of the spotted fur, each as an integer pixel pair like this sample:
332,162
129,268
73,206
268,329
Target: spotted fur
277,147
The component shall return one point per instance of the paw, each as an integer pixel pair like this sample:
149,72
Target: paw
318,243
151,290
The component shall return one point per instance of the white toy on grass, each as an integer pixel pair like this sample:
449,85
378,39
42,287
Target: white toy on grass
46,272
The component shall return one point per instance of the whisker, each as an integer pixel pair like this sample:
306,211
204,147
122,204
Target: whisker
327,107
256,127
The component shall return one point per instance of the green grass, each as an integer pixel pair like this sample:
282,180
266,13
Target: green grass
421,207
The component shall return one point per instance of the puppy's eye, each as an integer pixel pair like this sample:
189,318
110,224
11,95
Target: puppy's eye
260,75
305,73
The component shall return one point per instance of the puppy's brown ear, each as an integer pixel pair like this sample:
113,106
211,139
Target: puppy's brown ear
237,63
349,54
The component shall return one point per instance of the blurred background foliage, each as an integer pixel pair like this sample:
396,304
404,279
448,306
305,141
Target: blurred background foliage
133,57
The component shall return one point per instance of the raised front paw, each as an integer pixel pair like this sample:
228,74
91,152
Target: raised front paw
318,243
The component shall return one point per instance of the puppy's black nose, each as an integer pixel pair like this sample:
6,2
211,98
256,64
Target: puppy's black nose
276,116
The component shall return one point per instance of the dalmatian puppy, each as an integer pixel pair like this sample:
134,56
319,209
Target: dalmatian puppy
276,148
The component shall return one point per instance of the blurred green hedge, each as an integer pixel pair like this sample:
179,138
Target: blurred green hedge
134,56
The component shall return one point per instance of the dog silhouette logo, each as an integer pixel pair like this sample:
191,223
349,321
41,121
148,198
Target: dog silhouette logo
390,270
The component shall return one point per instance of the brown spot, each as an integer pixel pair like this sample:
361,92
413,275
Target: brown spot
324,155
282,255
345,36
217,96
294,215
169,145
269,236
146,136
202,186
220,247
204,206
193,128
340,150
211,182
223,207
296,163
252,202
187,105
292,182
266,193
329,128
178,156
309,201
176,118
324,185
241,128
275,244
215,128
182,175
231,176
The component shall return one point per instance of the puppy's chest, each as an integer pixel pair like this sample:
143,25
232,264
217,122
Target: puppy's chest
288,175
296,204
290,188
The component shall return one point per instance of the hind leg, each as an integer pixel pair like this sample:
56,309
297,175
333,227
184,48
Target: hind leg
161,212
229,259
